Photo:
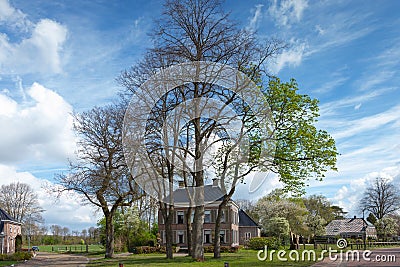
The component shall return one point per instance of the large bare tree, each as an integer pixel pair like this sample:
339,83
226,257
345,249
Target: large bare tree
381,198
21,202
198,30
100,174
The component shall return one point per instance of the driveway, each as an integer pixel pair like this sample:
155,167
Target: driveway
55,259
378,257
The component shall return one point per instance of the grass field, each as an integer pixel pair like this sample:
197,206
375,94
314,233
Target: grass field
71,248
7,263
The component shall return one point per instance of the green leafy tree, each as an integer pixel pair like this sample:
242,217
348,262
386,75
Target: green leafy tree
386,227
371,218
278,227
303,151
273,205
338,212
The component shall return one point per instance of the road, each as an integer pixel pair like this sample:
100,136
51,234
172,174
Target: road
55,260
378,257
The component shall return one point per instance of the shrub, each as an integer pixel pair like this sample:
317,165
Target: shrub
17,256
258,243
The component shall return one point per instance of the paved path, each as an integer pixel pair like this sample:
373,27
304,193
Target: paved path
55,260
378,257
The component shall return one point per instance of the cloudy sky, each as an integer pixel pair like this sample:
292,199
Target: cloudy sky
59,57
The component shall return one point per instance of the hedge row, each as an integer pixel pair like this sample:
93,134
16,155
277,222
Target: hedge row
224,249
17,256
258,243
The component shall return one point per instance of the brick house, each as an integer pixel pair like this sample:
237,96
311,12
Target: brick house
10,230
350,228
248,228
230,223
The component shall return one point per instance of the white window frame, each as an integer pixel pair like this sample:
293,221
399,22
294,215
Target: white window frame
204,236
180,233
207,212
180,213
224,234
247,236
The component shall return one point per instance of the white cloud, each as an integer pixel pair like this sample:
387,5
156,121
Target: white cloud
319,29
349,196
38,130
334,107
65,211
12,17
40,52
244,190
287,12
358,106
291,57
256,18
368,123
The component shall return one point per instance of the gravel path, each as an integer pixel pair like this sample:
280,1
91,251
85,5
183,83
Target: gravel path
55,260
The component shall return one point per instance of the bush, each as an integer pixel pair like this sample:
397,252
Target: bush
148,250
17,256
258,243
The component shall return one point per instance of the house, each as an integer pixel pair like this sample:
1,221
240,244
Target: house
248,228
351,228
232,231
10,231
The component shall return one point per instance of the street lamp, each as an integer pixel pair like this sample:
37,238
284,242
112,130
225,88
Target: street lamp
364,230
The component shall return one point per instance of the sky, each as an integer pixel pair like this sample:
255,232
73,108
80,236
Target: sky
59,57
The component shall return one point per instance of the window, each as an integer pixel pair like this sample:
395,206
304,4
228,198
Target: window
207,216
180,215
235,218
222,216
222,236
247,236
207,236
235,236
180,239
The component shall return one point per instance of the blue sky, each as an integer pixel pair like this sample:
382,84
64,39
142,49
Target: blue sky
57,57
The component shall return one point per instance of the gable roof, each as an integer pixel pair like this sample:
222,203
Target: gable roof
211,194
4,216
245,220
354,225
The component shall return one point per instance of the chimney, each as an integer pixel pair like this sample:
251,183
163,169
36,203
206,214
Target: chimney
355,217
215,182
181,184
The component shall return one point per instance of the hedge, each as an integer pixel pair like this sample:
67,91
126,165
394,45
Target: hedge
258,243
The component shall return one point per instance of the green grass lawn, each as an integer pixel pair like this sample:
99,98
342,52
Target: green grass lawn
72,248
244,258
7,263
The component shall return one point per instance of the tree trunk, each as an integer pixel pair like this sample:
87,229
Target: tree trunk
109,236
189,230
167,211
168,238
217,240
197,234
